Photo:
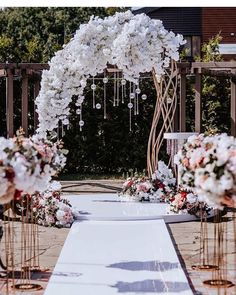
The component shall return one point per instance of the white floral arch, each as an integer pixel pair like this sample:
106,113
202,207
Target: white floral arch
134,43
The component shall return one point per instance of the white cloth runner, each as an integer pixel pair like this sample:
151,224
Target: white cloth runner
118,257
109,207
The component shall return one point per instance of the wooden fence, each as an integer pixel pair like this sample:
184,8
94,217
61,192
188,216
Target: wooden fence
25,72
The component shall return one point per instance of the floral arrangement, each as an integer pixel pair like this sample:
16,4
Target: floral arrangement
163,181
141,188
134,43
185,202
52,153
188,158
208,165
162,188
136,189
50,209
27,165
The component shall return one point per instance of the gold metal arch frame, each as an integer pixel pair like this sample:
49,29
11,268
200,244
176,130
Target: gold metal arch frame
164,112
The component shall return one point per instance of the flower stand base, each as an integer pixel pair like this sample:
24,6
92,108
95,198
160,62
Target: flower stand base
218,283
27,287
204,267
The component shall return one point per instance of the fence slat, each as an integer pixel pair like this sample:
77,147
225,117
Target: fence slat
36,92
9,103
24,103
198,103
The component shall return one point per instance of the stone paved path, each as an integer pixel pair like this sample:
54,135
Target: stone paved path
186,240
185,237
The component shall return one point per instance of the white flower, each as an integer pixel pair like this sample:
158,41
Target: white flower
191,198
208,164
60,215
54,186
134,43
164,174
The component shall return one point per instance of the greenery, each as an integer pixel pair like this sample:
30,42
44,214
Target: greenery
33,34
215,93
104,147
95,176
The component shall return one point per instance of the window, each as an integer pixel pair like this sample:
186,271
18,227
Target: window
188,46
192,46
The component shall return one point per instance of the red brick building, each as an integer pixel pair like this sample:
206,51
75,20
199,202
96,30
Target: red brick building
198,25
221,19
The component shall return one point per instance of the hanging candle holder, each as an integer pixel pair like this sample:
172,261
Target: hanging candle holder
105,81
79,103
137,91
98,106
123,90
114,98
120,93
130,105
118,89
134,97
79,112
93,87
81,124
144,96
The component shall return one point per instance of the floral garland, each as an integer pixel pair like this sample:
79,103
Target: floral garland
50,209
27,165
208,166
134,43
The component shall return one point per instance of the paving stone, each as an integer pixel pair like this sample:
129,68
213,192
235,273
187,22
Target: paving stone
185,237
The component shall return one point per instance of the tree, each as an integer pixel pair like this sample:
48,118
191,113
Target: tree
34,34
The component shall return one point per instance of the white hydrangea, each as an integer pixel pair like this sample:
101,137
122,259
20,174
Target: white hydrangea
164,174
54,186
208,165
27,165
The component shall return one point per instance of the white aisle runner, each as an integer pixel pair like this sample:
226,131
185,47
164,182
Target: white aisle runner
109,207
118,257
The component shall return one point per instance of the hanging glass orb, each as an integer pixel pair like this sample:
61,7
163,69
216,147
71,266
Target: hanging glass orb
78,111
98,106
123,82
93,86
81,123
105,80
132,95
80,100
138,90
130,105
144,96
65,122
83,83
169,100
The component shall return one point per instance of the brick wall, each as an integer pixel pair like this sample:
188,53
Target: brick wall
215,19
